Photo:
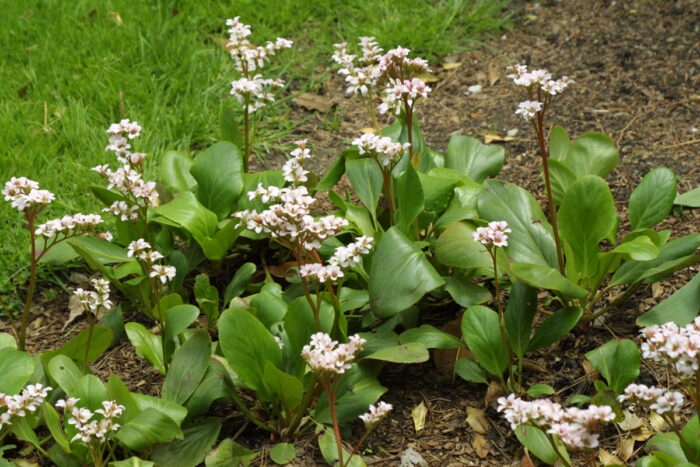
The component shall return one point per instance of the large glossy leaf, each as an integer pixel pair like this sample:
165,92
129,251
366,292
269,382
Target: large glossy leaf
207,297
64,371
555,327
681,307
409,197
215,248
186,210
481,332
559,144
587,216
531,239
228,125
471,157
437,191
367,181
592,154
101,250
519,315
560,178
178,318
469,370
536,441
247,346
456,247
430,337
691,434
211,388
690,199
400,274
669,444
410,352
132,461
641,248
618,362
16,368
282,453
91,392
187,368
147,429
230,453
270,305
147,345
75,348
218,171
174,170
332,176
465,197
288,389
171,409
199,438
546,278
464,292
118,392
652,200
239,282
356,391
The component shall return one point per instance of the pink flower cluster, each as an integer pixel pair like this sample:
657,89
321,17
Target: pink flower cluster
248,59
293,170
68,224
376,414
29,400
141,249
494,234
326,356
344,257
657,399
90,430
674,345
577,428
93,300
382,148
25,194
540,88
398,92
361,78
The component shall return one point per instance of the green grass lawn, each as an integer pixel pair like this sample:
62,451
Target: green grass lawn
71,68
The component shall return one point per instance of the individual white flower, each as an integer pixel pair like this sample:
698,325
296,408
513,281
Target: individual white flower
376,413
136,246
528,109
164,273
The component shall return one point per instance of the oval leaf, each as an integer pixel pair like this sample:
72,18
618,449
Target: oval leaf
474,159
546,277
652,200
16,368
218,171
555,327
481,332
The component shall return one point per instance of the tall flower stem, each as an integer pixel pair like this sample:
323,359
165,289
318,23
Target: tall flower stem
246,135
331,388
501,314
32,283
91,328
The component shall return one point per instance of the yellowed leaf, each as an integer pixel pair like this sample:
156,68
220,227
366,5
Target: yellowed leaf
428,78
76,309
480,445
607,458
492,137
115,17
477,420
589,370
24,463
657,422
494,76
451,66
631,422
642,434
368,130
492,393
314,102
625,448
657,290
418,415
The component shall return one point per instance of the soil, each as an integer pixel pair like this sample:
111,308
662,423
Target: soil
637,79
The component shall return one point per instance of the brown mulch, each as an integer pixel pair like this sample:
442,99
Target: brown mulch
637,74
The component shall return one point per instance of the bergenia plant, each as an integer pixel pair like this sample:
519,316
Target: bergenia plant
13,408
93,302
251,90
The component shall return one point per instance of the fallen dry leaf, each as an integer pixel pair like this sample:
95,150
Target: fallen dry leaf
492,137
480,445
368,130
625,448
631,422
24,463
114,16
657,290
657,422
494,76
75,308
642,434
418,415
477,420
428,78
492,393
451,66
608,459
589,370
314,102
526,461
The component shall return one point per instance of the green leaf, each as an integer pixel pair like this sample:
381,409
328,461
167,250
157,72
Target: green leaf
409,197
64,371
91,392
367,181
147,345
668,443
250,183
207,297
691,434
218,172
50,416
178,318
174,171
536,390
690,199
456,247
555,327
7,341
147,429
592,154
587,216
559,143
437,191
228,125
16,368
652,200
132,461
546,277
282,453
230,453
410,352
174,411
463,204
240,281
481,332
464,292
117,391
560,178
430,337
288,388
216,248
100,250
187,368
618,362
469,370
270,305
186,210
199,438
332,175
400,274
329,450
681,307
247,346
537,442
519,315
471,157
640,248
360,217
211,388
531,239
357,390
75,348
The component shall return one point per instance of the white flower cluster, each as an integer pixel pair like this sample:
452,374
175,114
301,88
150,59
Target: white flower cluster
25,194
575,427
674,345
326,356
539,86
361,78
68,224
659,400
400,91
18,405
344,257
376,414
92,430
248,59
494,234
293,170
382,148
128,179
92,300
141,249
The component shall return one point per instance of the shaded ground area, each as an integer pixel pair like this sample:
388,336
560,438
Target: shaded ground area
637,76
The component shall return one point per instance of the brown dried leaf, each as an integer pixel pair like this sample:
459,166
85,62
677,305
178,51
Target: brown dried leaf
314,102
114,16
494,76
494,392
281,270
428,78
24,463
625,448
480,446
533,366
589,370
75,309
642,434
492,137
608,459
657,422
631,422
477,420
451,66
418,415
368,130
526,461
657,290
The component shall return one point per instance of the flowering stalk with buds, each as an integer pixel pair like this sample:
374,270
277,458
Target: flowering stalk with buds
26,197
92,301
541,91
15,407
252,91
